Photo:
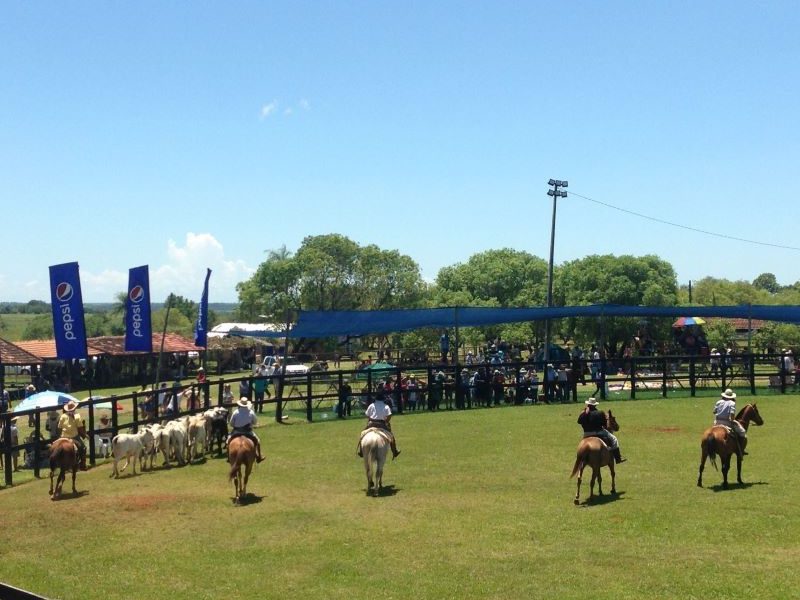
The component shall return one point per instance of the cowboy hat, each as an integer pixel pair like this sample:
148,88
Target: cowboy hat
729,394
591,402
412,376
71,406
243,402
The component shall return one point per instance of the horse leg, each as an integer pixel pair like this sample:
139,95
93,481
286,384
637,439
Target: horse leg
703,457
578,492
739,468
591,484
726,465
52,473
62,475
600,480
247,469
74,473
368,469
379,473
613,477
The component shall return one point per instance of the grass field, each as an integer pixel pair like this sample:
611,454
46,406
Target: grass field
479,505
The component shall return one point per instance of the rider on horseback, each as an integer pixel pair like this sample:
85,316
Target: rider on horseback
378,415
71,426
593,422
724,413
242,422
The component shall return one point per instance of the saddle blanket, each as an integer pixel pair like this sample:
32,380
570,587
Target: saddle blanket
386,435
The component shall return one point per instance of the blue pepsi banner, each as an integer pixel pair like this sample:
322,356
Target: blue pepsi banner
138,328
201,326
68,324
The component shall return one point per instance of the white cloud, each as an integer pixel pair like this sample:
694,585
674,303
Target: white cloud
268,109
304,104
185,270
288,112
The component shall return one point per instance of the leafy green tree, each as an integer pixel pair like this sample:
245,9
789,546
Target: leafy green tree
39,328
329,272
607,279
767,282
720,333
712,291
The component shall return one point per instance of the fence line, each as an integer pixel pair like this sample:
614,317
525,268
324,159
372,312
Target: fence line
664,373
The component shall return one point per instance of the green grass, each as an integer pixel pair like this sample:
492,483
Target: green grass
13,324
480,506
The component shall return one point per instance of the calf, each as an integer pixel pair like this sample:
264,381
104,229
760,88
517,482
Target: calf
196,436
129,445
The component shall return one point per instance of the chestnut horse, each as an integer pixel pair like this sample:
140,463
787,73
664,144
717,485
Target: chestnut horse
717,440
374,446
594,452
63,456
241,452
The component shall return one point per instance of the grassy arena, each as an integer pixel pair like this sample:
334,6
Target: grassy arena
480,506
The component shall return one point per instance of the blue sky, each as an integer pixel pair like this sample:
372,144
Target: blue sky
186,135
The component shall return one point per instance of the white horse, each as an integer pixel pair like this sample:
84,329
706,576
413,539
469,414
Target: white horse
374,446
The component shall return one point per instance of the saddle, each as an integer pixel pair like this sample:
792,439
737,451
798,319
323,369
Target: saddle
386,435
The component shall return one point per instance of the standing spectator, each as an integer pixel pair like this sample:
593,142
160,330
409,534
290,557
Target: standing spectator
534,385
550,379
595,364
444,346
462,391
14,442
562,383
227,394
470,359
163,397
244,388
5,401
713,361
345,399
412,388
788,364
498,387
30,391
259,388
51,424
201,376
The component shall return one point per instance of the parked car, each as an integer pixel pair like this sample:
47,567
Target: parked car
293,365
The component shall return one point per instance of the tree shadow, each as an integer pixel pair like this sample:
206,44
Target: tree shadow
601,500
734,486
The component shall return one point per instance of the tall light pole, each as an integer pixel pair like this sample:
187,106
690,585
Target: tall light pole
555,193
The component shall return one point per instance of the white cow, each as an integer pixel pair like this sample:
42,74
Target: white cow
178,433
197,435
129,445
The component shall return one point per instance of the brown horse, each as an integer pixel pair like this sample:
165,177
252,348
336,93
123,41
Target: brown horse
63,456
593,451
241,452
717,440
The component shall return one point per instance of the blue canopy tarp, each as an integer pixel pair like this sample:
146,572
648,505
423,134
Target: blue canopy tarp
329,323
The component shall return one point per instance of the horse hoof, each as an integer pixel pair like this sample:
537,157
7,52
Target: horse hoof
576,501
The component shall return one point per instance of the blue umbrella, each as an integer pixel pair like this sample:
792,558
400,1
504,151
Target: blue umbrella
46,399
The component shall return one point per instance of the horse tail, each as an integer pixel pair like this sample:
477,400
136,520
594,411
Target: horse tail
579,461
710,444
236,464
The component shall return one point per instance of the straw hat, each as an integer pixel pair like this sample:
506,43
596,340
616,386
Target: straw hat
70,406
729,394
591,402
243,402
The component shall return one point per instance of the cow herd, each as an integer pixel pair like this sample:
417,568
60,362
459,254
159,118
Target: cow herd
180,440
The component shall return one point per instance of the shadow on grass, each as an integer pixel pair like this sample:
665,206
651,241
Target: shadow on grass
247,500
735,486
387,490
71,496
604,499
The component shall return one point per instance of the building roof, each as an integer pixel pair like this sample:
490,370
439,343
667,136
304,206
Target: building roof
106,345
11,354
224,329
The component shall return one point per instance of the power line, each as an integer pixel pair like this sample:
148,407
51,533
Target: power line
687,227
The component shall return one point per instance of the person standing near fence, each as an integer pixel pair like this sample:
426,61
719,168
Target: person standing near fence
345,399
259,387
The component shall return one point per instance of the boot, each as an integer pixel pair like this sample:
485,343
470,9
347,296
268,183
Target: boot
82,465
618,456
740,443
395,452
259,458
359,452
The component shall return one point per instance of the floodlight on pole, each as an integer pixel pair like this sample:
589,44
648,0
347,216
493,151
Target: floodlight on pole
555,193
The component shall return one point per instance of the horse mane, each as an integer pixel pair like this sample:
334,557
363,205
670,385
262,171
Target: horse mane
741,412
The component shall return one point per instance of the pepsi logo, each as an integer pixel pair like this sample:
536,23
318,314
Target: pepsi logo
64,292
136,294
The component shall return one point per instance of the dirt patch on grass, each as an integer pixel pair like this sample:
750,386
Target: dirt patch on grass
136,503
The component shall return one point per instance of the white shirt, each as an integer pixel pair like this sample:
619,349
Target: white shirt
242,418
724,411
378,411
